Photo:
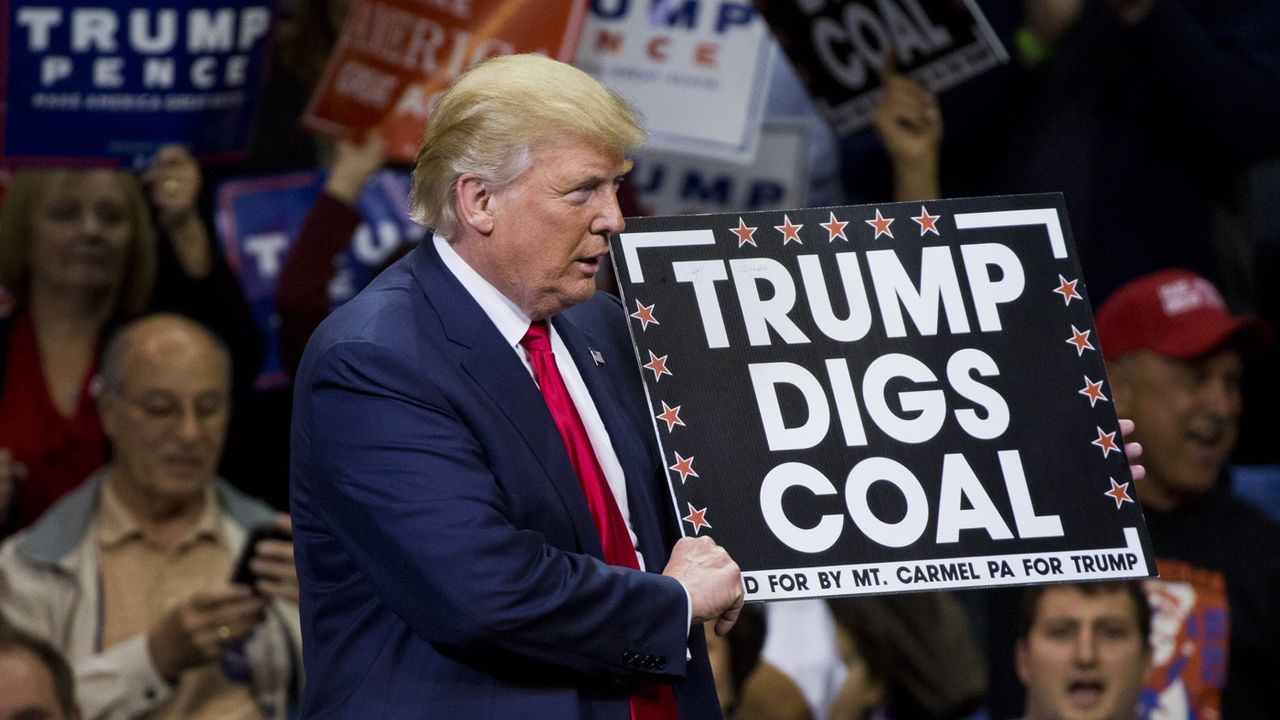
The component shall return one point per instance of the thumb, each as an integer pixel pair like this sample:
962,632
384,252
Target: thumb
727,620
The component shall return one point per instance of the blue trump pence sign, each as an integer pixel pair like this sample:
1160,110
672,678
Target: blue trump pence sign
111,82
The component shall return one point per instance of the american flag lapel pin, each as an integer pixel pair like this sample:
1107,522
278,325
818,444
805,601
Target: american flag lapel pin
597,357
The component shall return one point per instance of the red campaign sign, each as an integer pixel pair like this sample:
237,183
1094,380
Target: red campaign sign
395,57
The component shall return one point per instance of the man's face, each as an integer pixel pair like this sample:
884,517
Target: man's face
168,421
1083,658
1187,418
551,228
26,688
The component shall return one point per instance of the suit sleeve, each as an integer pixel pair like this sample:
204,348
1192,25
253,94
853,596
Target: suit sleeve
398,478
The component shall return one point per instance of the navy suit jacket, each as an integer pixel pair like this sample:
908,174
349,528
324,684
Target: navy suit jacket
448,562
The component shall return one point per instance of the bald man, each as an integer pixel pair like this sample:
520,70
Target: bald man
129,576
35,681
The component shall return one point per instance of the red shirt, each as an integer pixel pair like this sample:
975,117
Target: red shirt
59,451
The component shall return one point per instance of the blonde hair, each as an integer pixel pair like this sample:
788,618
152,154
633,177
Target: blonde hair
490,120
22,201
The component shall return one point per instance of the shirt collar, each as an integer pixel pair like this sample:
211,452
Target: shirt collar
117,525
510,320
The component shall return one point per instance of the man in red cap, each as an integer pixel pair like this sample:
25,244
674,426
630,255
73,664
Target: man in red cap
1175,355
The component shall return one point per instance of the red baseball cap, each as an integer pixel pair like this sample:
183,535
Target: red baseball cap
1175,313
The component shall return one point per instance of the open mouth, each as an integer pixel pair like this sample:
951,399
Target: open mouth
1085,694
1208,437
1207,444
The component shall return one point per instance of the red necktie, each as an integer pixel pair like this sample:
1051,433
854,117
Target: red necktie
649,701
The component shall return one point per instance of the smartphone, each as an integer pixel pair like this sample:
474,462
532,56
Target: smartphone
243,574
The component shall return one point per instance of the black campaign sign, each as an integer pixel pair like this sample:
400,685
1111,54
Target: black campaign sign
883,398
839,48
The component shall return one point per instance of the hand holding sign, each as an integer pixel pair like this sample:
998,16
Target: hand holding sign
1049,20
353,163
1132,451
711,578
884,398
909,123
173,184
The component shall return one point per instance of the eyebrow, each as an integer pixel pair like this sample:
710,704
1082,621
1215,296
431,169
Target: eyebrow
595,179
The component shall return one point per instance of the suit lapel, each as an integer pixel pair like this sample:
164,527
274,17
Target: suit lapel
484,355
634,456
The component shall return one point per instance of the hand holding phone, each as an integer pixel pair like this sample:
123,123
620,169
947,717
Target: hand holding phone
266,564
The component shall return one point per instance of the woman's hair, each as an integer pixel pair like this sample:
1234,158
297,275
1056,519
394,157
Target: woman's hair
17,212
489,122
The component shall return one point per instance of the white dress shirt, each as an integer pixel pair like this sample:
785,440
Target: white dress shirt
512,323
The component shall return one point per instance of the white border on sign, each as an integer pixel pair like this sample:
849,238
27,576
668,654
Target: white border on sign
634,242
1011,218
886,575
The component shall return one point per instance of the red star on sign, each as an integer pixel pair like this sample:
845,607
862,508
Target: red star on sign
789,232
834,228
745,234
658,365
1080,340
1067,289
881,224
928,223
644,313
670,416
684,466
1093,391
1106,441
1118,492
697,517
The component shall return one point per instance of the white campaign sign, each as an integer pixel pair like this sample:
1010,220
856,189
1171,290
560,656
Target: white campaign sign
697,70
673,183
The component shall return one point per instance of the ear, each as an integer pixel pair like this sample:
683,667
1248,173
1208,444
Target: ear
475,203
108,413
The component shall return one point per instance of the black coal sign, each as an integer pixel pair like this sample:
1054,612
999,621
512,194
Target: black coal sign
840,47
886,398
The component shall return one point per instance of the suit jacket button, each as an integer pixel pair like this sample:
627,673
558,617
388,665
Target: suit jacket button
662,661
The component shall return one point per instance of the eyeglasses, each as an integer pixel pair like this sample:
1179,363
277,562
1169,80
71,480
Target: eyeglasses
166,410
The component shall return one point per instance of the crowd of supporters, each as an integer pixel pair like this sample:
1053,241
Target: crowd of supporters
138,459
